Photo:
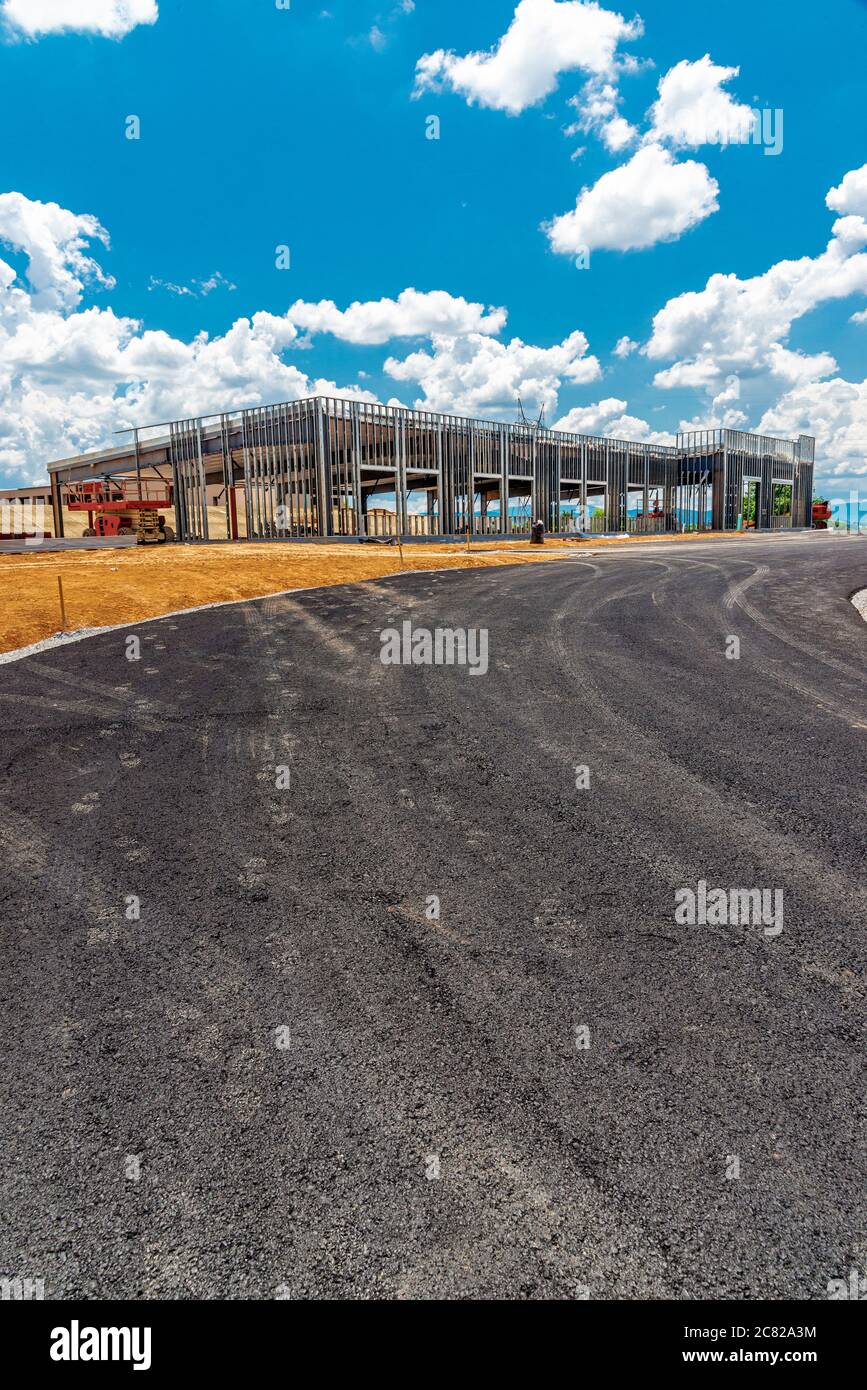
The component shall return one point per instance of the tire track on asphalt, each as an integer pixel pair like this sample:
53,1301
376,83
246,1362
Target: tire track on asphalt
411,1038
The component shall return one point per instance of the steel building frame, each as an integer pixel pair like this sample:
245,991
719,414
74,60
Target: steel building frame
726,458
309,469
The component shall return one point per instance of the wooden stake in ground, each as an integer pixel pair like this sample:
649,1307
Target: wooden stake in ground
62,604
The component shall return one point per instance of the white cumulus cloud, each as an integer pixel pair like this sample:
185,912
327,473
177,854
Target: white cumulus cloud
589,419
797,367
851,195
649,199
544,39
112,19
609,419
741,325
478,375
597,108
55,243
692,109
836,413
412,314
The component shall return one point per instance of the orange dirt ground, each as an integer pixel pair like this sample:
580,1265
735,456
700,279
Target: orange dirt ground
101,588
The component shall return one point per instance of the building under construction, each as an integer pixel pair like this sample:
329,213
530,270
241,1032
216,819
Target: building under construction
321,468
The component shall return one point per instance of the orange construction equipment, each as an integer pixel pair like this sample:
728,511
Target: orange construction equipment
127,507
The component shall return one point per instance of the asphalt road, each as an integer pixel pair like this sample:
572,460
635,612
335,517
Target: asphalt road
292,1049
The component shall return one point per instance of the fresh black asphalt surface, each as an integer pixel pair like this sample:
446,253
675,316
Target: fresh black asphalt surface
291,1048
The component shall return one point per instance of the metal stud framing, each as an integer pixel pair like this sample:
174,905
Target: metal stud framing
729,458
312,468
188,474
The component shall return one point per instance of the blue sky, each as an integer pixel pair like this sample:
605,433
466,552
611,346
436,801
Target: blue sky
263,127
